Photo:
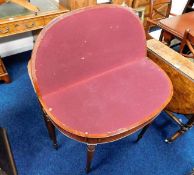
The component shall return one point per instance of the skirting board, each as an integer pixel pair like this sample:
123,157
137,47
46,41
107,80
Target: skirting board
16,44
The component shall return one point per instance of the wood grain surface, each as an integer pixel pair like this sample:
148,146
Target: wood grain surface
181,72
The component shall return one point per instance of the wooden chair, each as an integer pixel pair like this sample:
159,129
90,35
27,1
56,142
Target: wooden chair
145,4
158,9
188,41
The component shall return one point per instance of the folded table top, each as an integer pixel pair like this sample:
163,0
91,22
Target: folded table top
91,74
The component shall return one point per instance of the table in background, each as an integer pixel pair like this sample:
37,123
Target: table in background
189,6
15,19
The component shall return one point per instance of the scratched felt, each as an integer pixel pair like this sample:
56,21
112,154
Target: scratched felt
116,99
93,75
86,44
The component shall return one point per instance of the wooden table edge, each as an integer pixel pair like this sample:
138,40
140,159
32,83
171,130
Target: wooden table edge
180,63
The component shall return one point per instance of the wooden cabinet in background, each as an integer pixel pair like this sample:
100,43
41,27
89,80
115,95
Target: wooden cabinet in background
117,1
3,73
7,163
128,2
76,4
16,19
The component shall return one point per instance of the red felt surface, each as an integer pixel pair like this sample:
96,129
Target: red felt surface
113,100
92,73
85,44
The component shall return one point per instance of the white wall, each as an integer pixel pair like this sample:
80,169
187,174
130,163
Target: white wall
178,6
23,42
102,1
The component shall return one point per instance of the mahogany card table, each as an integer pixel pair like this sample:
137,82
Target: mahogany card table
93,80
176,26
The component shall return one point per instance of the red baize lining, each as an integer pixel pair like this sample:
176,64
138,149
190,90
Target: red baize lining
92,72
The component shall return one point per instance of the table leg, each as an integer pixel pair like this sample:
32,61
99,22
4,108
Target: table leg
3,73
176,135
51,130
35,34
143,132
161,35
166,37
182,130
90,153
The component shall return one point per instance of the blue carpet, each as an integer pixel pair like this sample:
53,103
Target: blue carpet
20,114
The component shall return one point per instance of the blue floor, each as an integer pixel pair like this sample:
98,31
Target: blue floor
20,114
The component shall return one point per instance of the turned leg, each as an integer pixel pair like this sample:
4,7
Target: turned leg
3,73
51,130
143,132
183,129
90,154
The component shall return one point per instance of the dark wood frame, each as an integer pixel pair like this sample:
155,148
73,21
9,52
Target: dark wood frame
184,127
91,143
152,19
3,73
